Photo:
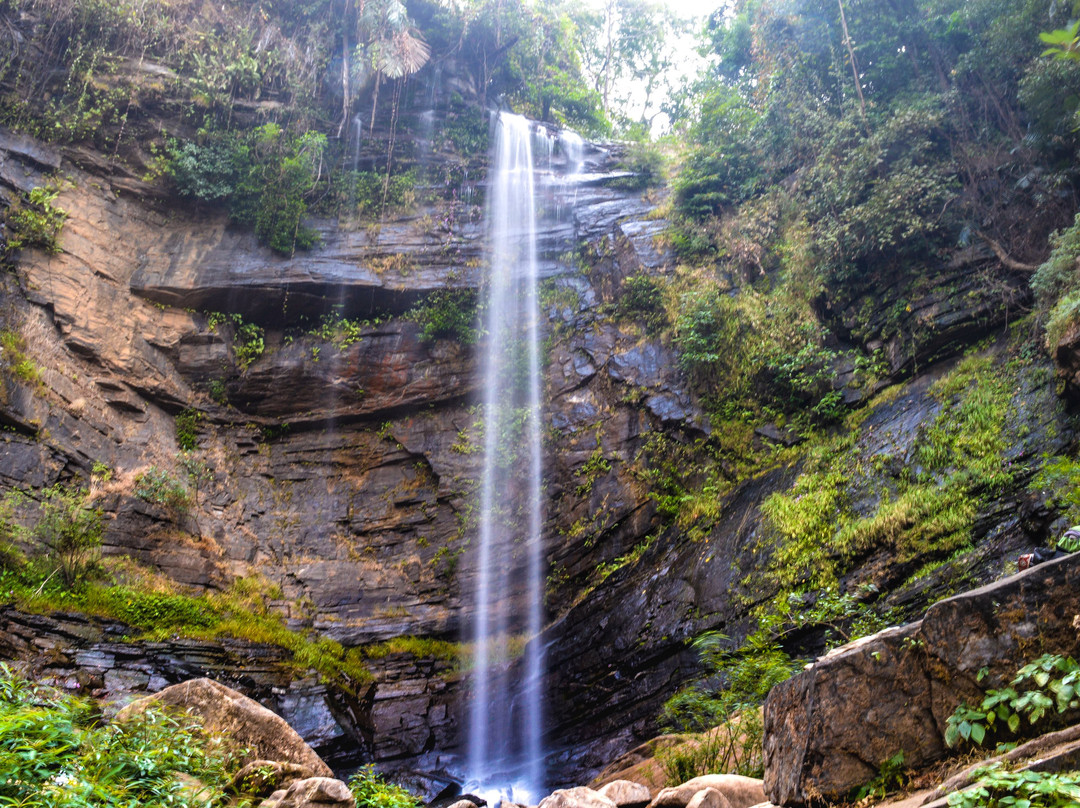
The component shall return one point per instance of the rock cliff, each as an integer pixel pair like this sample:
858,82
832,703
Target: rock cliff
341,472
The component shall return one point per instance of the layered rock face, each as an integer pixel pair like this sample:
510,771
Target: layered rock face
830,728
342,471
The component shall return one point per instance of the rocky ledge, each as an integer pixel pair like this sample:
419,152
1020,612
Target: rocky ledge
829,729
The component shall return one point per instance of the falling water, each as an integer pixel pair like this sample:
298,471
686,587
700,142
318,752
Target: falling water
574,148
505,754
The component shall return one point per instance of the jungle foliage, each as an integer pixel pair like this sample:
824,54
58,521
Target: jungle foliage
283,108
56,750
955,129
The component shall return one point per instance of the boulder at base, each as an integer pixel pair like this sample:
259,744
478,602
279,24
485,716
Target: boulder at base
243,721
739,791
580,797
260,778
830,728
626,794
315,792
708,798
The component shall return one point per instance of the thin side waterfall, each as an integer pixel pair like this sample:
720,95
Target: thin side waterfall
505,725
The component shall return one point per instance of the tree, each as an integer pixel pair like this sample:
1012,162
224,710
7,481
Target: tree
628,53
70,529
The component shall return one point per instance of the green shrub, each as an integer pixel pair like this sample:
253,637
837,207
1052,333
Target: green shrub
1025,789
340,331
203,171
464,130
1056,283
161,488
187,429
1041,690
34,221
12,351
372,194
642,298
70,529
647,165
265,176
448,313
54,751
248,339
732,746
724,706
371,790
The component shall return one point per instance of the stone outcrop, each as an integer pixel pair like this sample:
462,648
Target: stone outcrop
261,778
314,792
734,789
99,659
626,794
829,729
251,729
343,476
579,797
708,798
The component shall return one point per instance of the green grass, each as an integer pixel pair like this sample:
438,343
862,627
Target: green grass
54,751
926,511
419,647
153,605
13,354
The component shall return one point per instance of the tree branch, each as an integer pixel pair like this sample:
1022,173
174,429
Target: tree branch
1006,260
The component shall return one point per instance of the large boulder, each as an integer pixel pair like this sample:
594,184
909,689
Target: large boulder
260,778
626,794
314,792
708,798
580,797
244,722
830,728
737,791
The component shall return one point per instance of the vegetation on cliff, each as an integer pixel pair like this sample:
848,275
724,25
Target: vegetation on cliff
864,189
840,169
55,750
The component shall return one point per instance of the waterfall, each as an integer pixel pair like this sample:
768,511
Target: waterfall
505,723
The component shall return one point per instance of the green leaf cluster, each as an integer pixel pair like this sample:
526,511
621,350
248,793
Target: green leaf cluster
1048,686
35,221
68,527
54,751
952,126
265,176
372,790
1064,42
723,706
1056,283
158,486
448,314
998,788
249,339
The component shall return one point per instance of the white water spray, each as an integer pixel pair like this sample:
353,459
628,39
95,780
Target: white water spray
505,727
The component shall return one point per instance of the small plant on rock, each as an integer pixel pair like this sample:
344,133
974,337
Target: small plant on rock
1026,789
34,221
161,488
448,314
373,791
1047,687
70,530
